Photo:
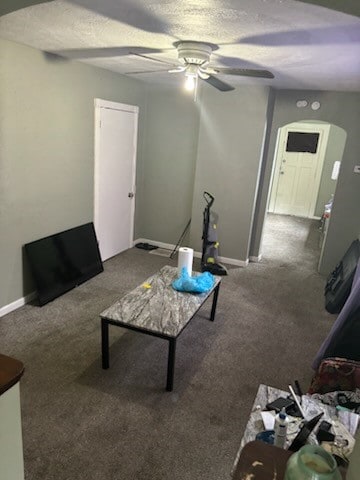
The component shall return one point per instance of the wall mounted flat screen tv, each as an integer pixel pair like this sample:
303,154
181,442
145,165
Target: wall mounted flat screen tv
64,260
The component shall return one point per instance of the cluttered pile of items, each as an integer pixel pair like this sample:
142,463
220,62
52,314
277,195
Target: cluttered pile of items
317,431
330,420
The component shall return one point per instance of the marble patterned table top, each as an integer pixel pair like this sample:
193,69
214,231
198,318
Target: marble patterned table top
156,307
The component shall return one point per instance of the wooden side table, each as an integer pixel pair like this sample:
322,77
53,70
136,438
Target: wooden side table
263,461
11,448
11,371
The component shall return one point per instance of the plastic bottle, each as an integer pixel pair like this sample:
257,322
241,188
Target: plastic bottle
281,424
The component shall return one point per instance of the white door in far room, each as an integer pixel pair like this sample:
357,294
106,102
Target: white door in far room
114,176
297,171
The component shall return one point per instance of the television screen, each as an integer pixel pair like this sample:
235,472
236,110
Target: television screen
64,260
302,142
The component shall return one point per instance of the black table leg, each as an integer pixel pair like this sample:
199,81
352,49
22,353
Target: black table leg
171,365
215,297
105,343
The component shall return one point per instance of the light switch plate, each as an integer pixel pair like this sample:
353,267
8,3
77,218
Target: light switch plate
357,169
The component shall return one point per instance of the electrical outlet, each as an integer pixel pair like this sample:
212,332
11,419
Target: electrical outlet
357,169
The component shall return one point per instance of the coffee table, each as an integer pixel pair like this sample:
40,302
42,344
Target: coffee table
156,309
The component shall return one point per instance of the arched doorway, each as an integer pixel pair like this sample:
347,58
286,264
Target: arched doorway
306,163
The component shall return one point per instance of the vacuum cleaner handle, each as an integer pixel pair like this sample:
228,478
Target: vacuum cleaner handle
209,199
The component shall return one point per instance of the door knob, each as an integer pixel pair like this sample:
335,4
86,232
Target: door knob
130,195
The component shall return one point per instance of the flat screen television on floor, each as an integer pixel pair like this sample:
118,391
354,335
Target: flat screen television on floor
64,260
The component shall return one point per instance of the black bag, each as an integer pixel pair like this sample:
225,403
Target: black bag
338,285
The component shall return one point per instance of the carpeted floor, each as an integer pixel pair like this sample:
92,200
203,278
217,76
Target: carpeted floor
81,422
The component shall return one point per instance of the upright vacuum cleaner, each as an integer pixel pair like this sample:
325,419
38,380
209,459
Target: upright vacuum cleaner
210,246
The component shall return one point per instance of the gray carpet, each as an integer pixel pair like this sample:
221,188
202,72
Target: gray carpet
80,422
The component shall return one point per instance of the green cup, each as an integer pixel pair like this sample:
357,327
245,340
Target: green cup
312,463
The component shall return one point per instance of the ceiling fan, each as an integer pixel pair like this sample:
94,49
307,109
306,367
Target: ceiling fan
194,58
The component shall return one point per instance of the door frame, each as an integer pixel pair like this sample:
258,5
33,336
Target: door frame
323,130
100,103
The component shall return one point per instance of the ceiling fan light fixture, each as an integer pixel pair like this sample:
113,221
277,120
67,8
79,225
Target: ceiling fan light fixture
194,61
191,75
195,53
190,82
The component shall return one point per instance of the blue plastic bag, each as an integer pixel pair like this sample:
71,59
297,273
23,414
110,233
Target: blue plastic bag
200,284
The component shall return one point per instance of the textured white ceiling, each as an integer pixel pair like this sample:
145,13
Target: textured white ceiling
305,46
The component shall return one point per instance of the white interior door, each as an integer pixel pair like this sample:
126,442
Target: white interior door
297,173
114,177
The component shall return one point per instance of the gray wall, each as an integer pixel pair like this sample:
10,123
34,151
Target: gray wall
46,158
230,144
254,252
167,178
343,110
46,150
334,151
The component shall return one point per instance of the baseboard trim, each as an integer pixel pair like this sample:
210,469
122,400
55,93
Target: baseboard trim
234,261
169,246
17,304
255,259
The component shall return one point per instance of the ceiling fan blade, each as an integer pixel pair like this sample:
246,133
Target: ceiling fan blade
219,84
146,71
245,72
179,69
8,6
147,57
208,71
103,52
205,74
